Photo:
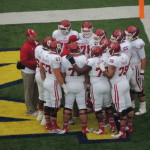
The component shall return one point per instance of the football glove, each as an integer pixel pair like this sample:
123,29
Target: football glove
65,89
102,67
71,59
141,76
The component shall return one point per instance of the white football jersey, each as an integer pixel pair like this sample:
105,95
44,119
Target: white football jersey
63,38
50,61
95,73
122,64
106,55
38,53
126,48
138,51
84,44
71,74
93,43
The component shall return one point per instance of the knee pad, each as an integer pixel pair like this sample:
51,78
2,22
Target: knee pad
123,114
53,112
129,109
141,94
46,110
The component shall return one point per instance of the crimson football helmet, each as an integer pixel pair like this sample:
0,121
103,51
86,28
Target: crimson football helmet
132,33
55,47
47,42
104,43
99,34
74,48
118,36
73,38
114,48
96,51
64,27
87,29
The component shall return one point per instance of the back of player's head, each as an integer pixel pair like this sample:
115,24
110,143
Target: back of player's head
99,34
104,43
47,42
114,48
74,48
73,38
96,51
118,36
55,47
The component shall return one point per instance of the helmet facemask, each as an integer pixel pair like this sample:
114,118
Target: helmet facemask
128,36
64,30
86,32
98,38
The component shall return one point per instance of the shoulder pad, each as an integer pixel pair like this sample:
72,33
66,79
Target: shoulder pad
74,33
89,61
55,33
140,44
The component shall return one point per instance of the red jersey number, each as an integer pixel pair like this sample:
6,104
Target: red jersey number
99,73
85,49
71,71
47,68
123,70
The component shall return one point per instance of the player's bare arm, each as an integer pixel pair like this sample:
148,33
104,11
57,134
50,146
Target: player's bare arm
58,76
80,71
60,79
83,70
63,76
143,64
111,71
87,79
42,72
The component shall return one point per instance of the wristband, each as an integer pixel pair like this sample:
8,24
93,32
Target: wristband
142,71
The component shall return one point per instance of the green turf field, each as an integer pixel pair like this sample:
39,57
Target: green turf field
12,36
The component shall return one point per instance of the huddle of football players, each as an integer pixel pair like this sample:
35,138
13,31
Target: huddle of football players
74,64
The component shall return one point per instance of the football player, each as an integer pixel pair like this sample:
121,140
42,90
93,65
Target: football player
75,85
84,38
117,69
104,43
50,73
62,35
99,34
38,52
138,64
100,87
120,37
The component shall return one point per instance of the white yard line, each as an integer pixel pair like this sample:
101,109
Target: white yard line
76,15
